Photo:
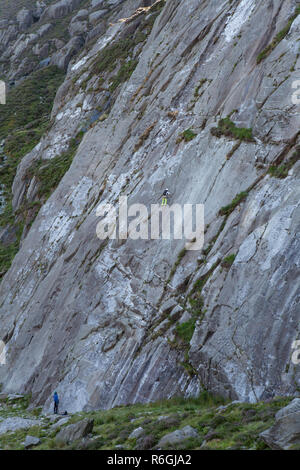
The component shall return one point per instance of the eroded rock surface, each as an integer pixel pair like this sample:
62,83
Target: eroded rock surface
285,434
90,318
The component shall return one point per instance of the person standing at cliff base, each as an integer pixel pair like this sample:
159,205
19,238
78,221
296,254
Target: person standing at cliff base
56,402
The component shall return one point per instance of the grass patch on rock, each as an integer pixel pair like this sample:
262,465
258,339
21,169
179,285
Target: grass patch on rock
282,171
186,136
227,210
50,172
227,128
278,38
23,121
228,261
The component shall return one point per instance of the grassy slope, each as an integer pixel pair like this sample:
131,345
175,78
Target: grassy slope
236,427
23,121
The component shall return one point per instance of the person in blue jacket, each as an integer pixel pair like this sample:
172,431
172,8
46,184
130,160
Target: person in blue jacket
56,402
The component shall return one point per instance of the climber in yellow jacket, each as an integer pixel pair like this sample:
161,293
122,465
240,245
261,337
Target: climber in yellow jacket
165,196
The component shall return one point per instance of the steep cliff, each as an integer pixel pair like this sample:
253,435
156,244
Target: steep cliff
192,95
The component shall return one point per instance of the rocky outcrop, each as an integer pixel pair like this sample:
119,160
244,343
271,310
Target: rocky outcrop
16,423
177,437
24,19
285,434
75,431
202,104
60,9
31,441
35,29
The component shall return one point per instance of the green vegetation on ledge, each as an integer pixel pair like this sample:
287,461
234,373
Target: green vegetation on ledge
186,135
227,210
282,171
227,128
228,261
118,60
186,329
50,172
278,38
23,121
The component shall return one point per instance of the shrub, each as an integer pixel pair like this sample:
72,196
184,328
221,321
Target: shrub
282,171
124,73
227,128
228,261
50,172
278,38
186,330
226,210
23,121
199,86
188,135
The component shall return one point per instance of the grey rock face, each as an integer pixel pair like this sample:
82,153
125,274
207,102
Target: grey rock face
60,422
95,16
60,9
97,3
177,437
16,423
31,441
25,19
63,57
75,431
293,407
285,434
93,316
136,433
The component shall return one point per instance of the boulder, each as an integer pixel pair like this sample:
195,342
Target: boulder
162,418
60,9
96,15
43,51
24,19
145,442
14,396
285,433
39,9
75,431
293,407
60,423
31,441
97,31
3,24
97,3
64,55
16,423
78,27
81,15
44,29
178,436
136,433
53,418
